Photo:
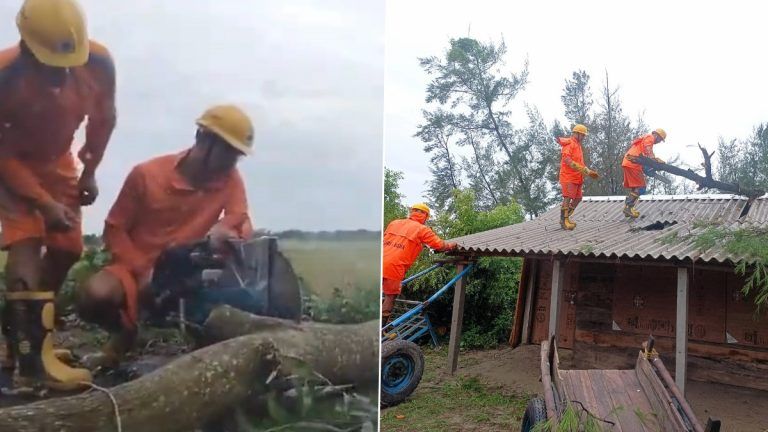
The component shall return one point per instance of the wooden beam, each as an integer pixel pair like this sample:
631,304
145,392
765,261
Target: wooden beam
660,262
528,314
558,277
515,335
456,320
681,329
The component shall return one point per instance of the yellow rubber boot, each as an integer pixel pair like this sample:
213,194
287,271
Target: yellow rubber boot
568,220
64,355
32,339
565,221
629,206
631,212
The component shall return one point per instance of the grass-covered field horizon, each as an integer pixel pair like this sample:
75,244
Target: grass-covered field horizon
339,270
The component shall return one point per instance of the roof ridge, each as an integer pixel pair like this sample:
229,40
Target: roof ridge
682,197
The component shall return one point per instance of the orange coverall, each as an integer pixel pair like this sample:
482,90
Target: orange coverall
157,208
37,127
633,172
403,242
571,180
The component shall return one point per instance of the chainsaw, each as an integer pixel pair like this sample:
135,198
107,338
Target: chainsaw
189,281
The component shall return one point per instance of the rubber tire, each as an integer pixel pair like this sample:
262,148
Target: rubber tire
400,351
535,412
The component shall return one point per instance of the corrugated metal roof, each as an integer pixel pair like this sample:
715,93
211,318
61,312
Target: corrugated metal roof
603,231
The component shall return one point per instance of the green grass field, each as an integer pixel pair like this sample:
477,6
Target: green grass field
444,403
323,265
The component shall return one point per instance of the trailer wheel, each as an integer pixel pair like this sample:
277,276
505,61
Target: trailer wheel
535,412
402,365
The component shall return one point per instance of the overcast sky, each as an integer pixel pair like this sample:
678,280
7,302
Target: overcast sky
698,70
310,73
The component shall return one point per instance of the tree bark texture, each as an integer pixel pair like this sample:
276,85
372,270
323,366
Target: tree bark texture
702,181
210,381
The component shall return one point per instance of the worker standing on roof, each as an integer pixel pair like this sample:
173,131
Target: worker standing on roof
169,200
634,178
404,240
572,172
50,81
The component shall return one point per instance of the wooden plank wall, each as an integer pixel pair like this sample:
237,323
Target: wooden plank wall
541,304
726,341
741,323
567,312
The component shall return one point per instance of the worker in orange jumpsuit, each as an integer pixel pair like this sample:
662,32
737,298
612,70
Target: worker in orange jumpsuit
404,240
50,81
634,178
172,199
572,172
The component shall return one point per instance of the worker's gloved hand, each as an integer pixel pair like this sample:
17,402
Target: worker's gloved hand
451,246
88,189
592,173
57,216
659,160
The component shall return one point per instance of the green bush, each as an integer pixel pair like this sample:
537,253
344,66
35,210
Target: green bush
491,291
343,308
92,260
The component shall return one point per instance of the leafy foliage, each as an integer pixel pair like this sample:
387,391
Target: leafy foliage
492,285
577,99
750,244
344,307
470,134
93,259
745,161
393,207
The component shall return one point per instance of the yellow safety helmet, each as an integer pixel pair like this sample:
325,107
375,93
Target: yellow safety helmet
580,128
55,31
421,206
661,133
231,124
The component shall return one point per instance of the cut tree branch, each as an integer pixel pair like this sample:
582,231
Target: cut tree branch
704,182
209,382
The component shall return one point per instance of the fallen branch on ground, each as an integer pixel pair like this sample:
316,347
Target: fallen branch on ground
342,353
206,383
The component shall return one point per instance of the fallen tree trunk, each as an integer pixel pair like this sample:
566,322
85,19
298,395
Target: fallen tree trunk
704,182
354,359
205,383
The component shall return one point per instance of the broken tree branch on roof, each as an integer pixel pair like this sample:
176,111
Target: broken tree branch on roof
704,182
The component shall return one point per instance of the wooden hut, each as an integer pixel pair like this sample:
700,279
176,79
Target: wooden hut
612,282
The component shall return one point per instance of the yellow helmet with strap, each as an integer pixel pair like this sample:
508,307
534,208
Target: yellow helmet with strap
421,206
580,128
54,31
231,124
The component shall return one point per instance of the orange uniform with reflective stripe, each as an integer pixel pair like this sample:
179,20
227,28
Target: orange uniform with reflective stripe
403,242
157,208
37,127
571,152
633,172
640,146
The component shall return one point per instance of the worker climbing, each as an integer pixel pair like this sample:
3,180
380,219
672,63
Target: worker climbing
634,177
168,200
572,172
404,240
50,81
